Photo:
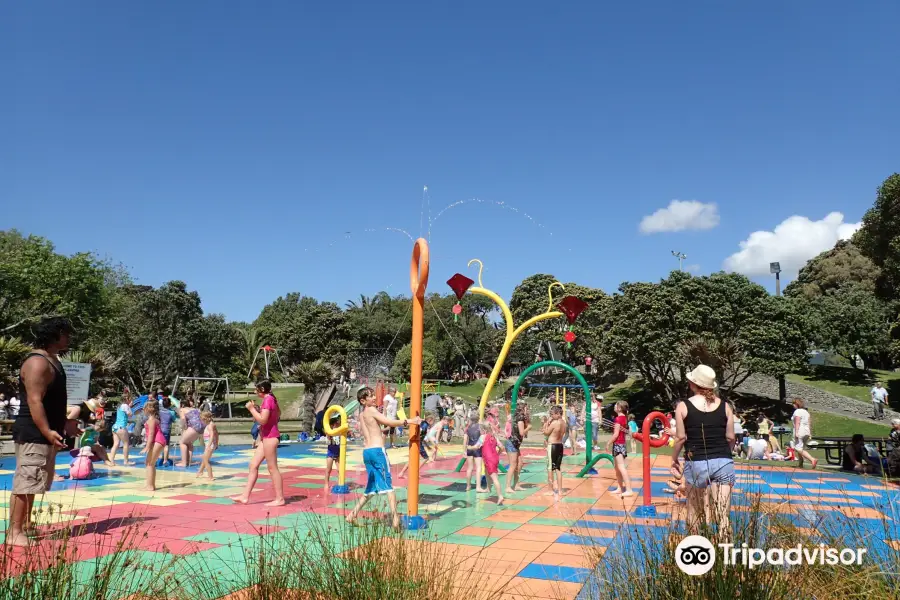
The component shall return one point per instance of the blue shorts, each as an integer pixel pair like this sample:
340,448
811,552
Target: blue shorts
510,447
379,471
254,431
334,451
701,473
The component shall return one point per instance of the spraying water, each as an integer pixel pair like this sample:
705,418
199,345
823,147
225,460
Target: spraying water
501,204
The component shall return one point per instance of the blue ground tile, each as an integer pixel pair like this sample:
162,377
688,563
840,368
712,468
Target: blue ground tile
554,573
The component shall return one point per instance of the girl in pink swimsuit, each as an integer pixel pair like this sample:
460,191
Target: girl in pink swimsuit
267,416
156,441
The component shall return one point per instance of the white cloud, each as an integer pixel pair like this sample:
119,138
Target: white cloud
793,242
681,215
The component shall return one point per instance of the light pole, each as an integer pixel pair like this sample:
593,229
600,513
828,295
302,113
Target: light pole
680,256
775,268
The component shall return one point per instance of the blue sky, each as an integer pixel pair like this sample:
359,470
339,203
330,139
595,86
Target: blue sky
232,145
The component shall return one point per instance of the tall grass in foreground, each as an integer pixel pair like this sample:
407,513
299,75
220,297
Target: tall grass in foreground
320,559
328,559
48,570
647,569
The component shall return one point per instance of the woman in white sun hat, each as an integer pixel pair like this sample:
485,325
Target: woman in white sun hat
705,429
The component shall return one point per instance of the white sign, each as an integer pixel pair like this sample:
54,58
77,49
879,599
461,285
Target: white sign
78,379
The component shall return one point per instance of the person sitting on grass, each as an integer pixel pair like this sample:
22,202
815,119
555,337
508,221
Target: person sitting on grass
758,448
856,458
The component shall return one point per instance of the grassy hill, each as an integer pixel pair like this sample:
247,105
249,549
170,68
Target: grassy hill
850,382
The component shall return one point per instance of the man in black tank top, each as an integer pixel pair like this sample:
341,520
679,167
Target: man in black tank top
38,430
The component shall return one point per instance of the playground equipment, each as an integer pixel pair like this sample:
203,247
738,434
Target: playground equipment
218,380
590,460
570,307
342,429
266,351
558,386
647,509
418,281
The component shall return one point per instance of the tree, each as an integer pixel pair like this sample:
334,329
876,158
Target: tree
840,268
879,236
403,364
661,329
313,375
160,333
36,281
303,329
852,322
12,353
531,298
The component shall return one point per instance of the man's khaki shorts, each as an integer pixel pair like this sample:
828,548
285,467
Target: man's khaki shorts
34,469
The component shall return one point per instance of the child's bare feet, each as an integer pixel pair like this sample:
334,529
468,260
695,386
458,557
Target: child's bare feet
815,462
242,499
109,463
396,523
129,463
500,500
616,491
275,502
627,494
148,488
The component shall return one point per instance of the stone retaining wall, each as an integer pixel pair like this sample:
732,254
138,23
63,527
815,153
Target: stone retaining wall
816,399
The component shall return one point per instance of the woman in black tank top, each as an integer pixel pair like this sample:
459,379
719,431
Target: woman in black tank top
705,430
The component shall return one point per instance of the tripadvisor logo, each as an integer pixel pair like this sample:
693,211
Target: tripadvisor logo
696,555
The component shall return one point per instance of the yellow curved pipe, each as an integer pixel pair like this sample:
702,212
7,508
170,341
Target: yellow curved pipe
511,335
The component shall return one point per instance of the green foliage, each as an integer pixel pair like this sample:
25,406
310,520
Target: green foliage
879,236
403,364
313,375
160,333
12,353
530,298
663,329
840,268
852,322
35,281
303,329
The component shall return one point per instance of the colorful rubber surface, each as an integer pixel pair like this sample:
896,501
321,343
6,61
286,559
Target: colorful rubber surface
534,546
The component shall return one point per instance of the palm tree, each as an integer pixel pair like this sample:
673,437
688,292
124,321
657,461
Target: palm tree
105,367
314,376
251,346
365,304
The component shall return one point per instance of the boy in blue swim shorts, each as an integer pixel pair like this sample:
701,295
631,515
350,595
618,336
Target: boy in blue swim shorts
375,457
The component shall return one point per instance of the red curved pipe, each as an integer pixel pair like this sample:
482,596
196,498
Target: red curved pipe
647,443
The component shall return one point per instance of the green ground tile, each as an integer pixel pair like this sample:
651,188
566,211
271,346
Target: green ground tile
217,501
222,537
546,521
572,500
469,540
525,507
311,485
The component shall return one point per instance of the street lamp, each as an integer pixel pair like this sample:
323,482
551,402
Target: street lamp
776,269
680,256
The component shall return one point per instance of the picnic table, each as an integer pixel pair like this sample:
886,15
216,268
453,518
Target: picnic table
834,447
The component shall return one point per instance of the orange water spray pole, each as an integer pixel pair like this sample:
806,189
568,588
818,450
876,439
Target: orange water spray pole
418,281
648,510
